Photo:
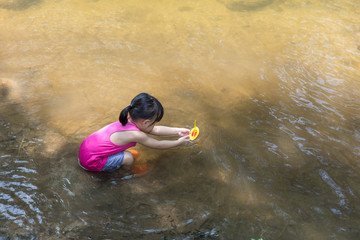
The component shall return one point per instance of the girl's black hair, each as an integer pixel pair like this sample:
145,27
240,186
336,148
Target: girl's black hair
143,106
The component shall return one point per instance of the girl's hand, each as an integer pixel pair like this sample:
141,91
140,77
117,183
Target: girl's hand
183,140
183,132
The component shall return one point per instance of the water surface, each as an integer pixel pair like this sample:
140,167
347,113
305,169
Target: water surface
273,86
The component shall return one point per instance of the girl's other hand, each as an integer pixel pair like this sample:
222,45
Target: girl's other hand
183,132
183,140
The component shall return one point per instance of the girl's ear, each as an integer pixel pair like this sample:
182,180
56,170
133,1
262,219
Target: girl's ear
147,122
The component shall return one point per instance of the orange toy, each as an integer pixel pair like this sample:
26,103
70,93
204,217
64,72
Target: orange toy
194,133
138,170
134,153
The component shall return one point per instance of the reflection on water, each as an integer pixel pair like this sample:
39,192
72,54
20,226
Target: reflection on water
273,87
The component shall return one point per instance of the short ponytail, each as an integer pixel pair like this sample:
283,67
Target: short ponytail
143,106
123,118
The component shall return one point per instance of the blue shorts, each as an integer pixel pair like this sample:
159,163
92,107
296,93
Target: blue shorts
113,162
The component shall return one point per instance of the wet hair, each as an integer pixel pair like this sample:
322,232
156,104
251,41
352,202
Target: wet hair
143,106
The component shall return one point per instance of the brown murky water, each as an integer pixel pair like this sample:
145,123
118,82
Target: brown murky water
274,87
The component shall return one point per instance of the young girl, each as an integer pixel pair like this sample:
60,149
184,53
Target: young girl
105,150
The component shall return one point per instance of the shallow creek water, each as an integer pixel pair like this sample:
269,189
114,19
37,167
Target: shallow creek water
274,87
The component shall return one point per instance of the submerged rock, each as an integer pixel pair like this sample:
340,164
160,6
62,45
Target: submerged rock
9,89
246,5
74,227
17,5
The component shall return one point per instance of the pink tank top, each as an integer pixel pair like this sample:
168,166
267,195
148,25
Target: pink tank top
96,148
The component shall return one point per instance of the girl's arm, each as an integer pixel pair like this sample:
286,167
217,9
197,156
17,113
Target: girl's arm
169,131
145,140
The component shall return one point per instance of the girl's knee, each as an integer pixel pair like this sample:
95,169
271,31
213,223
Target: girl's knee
128,159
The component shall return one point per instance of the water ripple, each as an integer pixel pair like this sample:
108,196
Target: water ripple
18,197
334,186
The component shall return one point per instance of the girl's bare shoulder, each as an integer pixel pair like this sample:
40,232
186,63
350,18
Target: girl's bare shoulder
125,137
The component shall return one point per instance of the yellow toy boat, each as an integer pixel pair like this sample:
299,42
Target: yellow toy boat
194,133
